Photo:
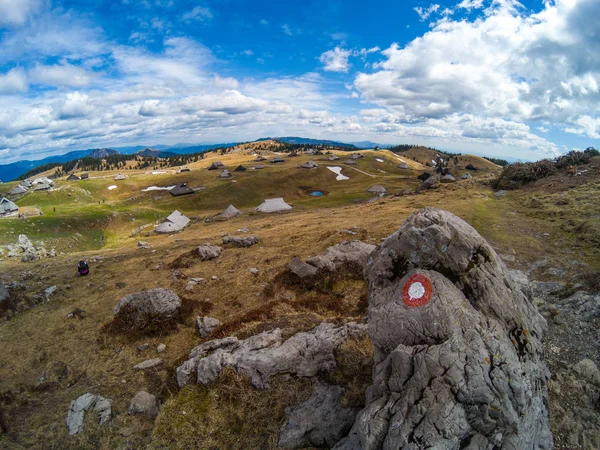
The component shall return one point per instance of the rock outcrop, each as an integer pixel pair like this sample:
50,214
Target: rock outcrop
321,421
25,250
144,309
458,345
265,355
241,241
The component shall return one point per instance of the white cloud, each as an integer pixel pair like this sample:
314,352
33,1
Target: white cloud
199,13
60,75
13,81
16,12
539,68
75,105
336,60
226,82
470,4
286,29
424,13
264,22
248,52
339,36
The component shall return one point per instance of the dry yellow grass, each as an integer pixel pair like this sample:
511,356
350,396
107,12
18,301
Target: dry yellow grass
98,361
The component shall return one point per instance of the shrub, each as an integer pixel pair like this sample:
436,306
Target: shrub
516,175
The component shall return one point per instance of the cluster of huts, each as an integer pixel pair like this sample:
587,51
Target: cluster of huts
39,184
176,221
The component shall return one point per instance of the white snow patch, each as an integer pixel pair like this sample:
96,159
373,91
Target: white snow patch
110,188
158,188
379,160
338,171
158,172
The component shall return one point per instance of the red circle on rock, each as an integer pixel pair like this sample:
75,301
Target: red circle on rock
417,291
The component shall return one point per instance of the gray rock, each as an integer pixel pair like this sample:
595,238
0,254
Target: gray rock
49,292
241,241
302,270
588,370
161,348
467,176
458,351
582,305
143,347
148,364
76,413
207,252
433,182
206,325
547,289
321,421
142,308
104,408
253,270
144,403
447,179
501,193
4,294
79,407
143,244
349,255
265,355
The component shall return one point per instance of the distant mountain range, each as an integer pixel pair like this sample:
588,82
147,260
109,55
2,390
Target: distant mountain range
14,170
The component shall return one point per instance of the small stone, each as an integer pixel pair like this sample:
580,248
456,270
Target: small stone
206,325
214,278
143,244
144,403
161,348
50,292
254,271
142,347
148,364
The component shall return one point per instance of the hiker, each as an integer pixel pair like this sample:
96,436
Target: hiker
83,268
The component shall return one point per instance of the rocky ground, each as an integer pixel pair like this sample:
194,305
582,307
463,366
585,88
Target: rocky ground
266,341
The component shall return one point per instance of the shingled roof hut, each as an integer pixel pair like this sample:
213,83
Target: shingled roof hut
174,223
181,189
272,205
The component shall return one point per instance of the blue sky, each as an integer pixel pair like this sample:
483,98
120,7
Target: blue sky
496,77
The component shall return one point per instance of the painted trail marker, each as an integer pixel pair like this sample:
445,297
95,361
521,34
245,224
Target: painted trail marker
417,291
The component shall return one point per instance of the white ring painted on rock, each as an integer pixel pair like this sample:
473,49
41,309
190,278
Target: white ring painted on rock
416,290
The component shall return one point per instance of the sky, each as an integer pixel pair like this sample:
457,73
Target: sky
494,77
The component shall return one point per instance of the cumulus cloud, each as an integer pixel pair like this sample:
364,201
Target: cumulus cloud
542,67
336,60
13,81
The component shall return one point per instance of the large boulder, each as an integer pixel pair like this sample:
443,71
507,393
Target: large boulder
145,309
266,354
321,421
458,345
